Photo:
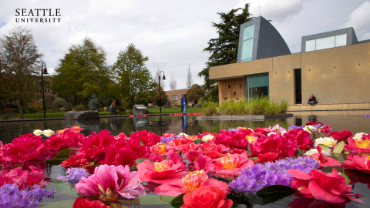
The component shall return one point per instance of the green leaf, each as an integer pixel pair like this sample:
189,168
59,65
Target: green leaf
141,143
54,180
140,160
155,199
90,164
339,147
177,201
300,152
338,157
64,153
249,149
325,148
348,180
197,141
59,204
275,192
133,168
56,161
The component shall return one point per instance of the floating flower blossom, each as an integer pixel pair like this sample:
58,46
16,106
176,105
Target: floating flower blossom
295,127
159,148
323,159
271,173
358,144
313,151
76,129
147,138
310,129
38,132
11,196
230,165
88,203
23,178
208,137
110,182
232,139
166,139
210,197
189,183
341,135
330,187
74,175
48,132
359,163
327,141
160,172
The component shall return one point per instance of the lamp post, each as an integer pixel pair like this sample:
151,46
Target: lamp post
159,80
43,71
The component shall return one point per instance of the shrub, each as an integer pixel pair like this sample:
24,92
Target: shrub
121,108
9,113
79,107
60,103
210,108
35,106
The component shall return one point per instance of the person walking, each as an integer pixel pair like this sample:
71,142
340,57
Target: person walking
112,107
185,103
181,102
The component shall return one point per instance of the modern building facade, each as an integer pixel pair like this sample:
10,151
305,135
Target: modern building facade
334,66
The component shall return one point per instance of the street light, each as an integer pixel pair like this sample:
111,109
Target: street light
43,71
159,80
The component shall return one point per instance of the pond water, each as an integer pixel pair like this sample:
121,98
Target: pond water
339,120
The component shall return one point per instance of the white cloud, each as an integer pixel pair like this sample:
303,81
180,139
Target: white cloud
359,19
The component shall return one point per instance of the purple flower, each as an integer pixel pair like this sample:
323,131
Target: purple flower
367,116
233,130
74,175
295,127
10,196
271,173
166,139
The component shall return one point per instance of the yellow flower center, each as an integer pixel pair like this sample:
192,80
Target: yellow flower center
229,161
367,162
161,166
194,180
60,131
251,139
362,143
328,143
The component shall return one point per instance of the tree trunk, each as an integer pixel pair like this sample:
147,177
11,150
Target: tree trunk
86,103
133,101
20,105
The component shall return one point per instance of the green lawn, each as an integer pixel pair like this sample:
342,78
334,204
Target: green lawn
175,110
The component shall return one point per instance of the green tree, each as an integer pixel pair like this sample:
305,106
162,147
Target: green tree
224,49
133,76
194,93
82,72
160,101
19,67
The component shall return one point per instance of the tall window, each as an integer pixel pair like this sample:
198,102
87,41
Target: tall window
328,42
257,85
174,97
248,35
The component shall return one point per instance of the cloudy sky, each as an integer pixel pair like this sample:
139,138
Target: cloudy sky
173,33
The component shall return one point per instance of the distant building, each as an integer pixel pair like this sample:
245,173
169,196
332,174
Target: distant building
334,66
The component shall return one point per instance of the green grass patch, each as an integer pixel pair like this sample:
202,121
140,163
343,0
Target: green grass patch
174,110
257,106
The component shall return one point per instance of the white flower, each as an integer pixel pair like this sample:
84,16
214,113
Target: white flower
207,137
309,129
48,132
270,133
328,141
37,132
183,135
313,151
358,136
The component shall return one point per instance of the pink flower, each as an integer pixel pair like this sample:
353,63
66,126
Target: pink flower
148,138
204,163
23,178
331,188
323,159
302,137
358,145
214,151
189,183
110,182
341,135
232,164
232,139
88,203
210,197
359,163
160,172
326,129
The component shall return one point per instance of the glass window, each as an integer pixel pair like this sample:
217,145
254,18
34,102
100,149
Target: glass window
248,32
310,45
340,40
174,97
324,43
258,85
247,50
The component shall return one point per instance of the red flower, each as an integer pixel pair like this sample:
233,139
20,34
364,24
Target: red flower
326,129
78,160
274,147
160,172
359,163
323,159
95,144
88,203
302,137
231,165
262,130
23,178
232,139
341,135
314,123
214,151
331,188
210,197
26,147
148,138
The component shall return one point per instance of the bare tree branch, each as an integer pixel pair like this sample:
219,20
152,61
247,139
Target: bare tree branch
173,82
189,81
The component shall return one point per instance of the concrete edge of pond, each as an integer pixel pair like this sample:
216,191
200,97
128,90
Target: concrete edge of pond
244,117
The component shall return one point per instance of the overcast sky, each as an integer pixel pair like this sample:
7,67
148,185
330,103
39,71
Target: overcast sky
173,33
